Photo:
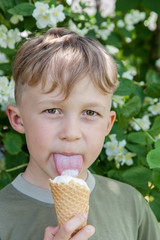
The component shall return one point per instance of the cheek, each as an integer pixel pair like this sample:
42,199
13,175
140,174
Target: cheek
37,137
97,137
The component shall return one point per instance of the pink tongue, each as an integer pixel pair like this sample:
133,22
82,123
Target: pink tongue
63,162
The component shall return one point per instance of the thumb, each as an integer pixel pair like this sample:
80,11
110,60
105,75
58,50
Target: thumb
50,232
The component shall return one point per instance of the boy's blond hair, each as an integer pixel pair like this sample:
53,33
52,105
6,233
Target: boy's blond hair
63,57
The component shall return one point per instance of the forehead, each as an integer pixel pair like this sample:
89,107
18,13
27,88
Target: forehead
83,91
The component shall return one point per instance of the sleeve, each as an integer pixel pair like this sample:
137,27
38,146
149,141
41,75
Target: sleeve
148,226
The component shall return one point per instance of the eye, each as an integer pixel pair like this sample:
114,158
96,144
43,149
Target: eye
52,111
91,113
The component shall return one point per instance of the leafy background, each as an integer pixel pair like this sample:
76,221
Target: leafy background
132,35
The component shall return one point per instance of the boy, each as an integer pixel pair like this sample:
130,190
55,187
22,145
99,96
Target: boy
63,89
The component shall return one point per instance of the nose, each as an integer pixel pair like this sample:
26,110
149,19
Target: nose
70,129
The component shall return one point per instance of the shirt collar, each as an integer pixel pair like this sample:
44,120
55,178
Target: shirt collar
42,194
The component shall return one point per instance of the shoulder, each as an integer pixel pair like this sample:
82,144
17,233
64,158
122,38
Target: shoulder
116,189
7,194
112,184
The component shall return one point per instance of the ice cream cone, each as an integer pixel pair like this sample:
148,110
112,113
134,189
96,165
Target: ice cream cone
70,198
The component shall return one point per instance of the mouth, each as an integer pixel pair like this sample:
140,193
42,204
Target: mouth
67,161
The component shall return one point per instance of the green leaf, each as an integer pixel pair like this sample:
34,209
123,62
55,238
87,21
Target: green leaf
5,5
137,176
136,148
157,144
139,91
155,193
152,5
156,177
24,9
115,174
6,67
155,129
132,107
120,66
125,33
153,84
4,179
2,5
138,137
12,142
153,158
15,162
18,159
125,87
99,18
125,5
114,40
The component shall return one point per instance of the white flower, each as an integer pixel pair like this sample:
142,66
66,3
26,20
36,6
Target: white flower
155,109
118,101
41,9
130,27
141,123
3,36
112,137
133,18
111,149
128,75
111,27
157,137
25,33
127,158
8,38
6,92
103,33
120,157
120,23
41,14
43,20
121,145
56,14
16,18
128,19
149,101
116,151
3,83
13,37
72,26
151,22
3,58
157,63
111,49
46,16
142,83
142,16
128,39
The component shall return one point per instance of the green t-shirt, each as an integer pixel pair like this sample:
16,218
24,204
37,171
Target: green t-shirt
117,211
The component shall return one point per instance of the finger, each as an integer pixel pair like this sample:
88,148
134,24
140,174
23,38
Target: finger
69,227
85,233
50,232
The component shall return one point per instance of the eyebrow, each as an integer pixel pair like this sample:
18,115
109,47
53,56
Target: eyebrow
51,101
94,104
86,105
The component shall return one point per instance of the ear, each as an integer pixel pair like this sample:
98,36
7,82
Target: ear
15,118
112,118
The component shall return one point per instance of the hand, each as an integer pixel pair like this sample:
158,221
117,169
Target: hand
66,231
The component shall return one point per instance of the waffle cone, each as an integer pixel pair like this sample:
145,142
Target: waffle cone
69,199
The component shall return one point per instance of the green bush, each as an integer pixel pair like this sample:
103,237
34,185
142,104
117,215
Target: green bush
132,35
